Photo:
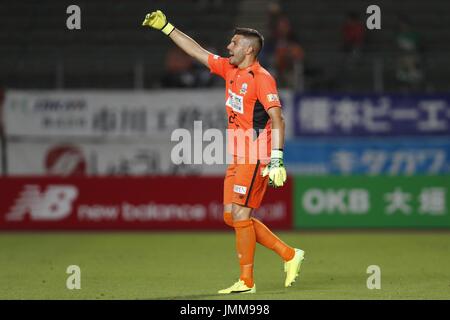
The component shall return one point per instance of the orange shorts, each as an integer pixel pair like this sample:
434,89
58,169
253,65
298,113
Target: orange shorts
244,184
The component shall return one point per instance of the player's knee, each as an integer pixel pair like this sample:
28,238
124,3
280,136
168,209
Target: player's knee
228,218
240,213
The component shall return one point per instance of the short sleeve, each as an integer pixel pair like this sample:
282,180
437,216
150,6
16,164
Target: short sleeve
267,92
219,65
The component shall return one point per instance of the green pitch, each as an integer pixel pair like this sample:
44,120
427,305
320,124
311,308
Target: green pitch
414,265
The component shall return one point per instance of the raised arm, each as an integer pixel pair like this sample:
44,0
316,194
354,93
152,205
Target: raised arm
158,20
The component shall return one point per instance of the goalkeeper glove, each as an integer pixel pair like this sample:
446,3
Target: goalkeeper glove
158,20
275,169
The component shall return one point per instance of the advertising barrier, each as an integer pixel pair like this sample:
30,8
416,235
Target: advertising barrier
334,202
371,115
2,157
176,203
162,203
151,114
132,158
110,113
395,156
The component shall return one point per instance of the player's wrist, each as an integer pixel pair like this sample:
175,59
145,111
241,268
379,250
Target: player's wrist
168,28
276,154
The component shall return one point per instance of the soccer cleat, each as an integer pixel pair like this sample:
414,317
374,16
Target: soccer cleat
292,267
238,287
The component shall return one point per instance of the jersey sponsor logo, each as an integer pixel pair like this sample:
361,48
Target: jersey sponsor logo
53,204
235,102
239,189
272,97
244,87
232,119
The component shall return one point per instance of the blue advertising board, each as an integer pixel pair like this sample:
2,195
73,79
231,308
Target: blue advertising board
371,115
396,156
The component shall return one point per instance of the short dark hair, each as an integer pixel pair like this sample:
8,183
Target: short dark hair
253,34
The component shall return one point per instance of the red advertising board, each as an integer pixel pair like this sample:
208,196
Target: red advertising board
127,203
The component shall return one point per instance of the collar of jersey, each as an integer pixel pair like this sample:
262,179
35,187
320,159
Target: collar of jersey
250,67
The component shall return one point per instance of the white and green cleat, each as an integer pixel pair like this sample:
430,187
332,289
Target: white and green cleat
292,267
238,287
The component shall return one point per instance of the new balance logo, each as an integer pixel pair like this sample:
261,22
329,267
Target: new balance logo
53,204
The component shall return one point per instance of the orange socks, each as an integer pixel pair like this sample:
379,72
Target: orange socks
265,237
245,245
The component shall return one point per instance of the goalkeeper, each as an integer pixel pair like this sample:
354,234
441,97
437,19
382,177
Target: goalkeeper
252,103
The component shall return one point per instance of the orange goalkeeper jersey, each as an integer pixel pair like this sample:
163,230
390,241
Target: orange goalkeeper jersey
249,93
